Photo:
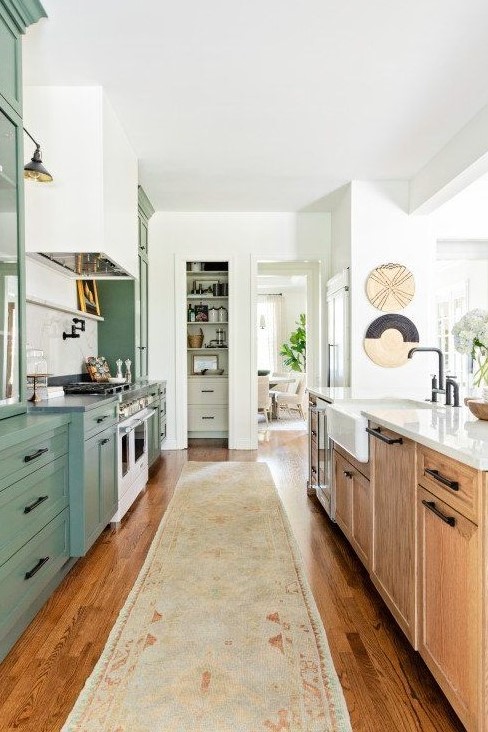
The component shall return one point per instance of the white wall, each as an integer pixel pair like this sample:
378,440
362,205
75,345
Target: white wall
91,205
465,215
240,236
44,330
340,255
382,232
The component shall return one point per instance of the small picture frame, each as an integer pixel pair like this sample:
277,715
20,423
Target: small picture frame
88,297
201,313
203,362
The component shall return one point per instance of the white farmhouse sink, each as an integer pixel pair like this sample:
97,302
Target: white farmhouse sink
347,426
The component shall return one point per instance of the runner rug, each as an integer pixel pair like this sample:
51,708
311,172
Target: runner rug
220,632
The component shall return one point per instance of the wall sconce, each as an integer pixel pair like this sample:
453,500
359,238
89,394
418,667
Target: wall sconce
262,322
35,170
78,325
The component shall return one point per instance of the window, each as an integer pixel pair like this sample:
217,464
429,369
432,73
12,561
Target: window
451,305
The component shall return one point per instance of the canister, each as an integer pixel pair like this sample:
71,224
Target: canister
222,314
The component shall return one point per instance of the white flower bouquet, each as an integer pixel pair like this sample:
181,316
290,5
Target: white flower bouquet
471,338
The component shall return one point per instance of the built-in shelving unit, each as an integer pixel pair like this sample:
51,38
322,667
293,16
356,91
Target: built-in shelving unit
207,315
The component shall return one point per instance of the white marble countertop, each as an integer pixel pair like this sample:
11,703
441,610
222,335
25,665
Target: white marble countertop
452,431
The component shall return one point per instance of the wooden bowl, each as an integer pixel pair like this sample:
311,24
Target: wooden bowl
478,407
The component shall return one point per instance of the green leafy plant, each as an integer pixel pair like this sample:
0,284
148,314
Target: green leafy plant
295,351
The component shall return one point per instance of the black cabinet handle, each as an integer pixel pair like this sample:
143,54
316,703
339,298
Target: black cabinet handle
347,473
207,391
313,432
452,484
104,442
314,470
42,561
36,454
102,419
432,507
142,348
389,440
36,503
208,417
153,393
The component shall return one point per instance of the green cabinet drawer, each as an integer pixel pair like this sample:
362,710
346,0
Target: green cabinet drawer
100,418
28,571
28,505
28,456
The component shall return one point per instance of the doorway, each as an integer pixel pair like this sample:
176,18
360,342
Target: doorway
287,342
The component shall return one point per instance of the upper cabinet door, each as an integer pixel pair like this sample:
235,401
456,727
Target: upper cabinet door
10,63
11,305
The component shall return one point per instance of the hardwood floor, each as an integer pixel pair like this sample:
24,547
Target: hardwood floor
386,684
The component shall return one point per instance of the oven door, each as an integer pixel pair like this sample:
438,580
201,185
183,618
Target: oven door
126,454
141,434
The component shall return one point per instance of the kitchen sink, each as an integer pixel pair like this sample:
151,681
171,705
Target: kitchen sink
347,426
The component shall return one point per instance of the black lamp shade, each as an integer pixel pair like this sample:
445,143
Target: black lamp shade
35,170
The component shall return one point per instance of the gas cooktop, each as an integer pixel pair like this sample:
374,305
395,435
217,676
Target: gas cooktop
94,387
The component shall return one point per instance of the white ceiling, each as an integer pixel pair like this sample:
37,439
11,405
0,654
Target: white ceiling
269,106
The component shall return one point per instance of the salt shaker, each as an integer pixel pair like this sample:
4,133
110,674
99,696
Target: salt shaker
128,375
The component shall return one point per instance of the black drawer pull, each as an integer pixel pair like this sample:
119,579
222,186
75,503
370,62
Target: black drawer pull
313,433
389,440
208,417
36,454
347,473
207,391
314,470
42,561
36,503
452,484
104,442
153,393
102,419
432,507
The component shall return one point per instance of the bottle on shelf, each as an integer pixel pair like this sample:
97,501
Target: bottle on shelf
191,313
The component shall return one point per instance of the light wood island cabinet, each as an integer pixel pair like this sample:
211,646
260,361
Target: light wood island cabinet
353,505
420,527
394,547
452,640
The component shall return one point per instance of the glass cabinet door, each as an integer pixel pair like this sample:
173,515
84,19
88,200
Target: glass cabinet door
10,391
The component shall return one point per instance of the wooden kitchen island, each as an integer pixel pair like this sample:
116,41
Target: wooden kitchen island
417,517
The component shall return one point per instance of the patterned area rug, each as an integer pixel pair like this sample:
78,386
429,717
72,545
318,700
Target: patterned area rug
220,632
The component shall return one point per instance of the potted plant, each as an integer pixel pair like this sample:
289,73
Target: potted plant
471,338
295,350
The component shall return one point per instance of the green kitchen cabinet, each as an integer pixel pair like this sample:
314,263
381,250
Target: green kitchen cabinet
15,16
34,517
100,485
124,306
143,318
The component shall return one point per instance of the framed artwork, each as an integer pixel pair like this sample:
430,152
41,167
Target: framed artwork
88,297
204,362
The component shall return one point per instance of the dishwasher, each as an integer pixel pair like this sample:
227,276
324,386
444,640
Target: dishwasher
320,456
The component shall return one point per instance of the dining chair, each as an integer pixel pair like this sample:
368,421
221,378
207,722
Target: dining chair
264,398
293,399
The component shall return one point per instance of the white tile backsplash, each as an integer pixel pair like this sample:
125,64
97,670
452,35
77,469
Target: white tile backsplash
44,330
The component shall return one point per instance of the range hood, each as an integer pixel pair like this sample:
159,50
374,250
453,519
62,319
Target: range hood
83,265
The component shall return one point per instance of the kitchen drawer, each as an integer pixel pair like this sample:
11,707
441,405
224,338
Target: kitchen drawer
451,481
28,505
28,571
19,461
207,419
100,418
163,431
163,407
208,391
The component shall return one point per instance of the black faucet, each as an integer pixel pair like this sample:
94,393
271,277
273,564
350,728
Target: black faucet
452,392
437,383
